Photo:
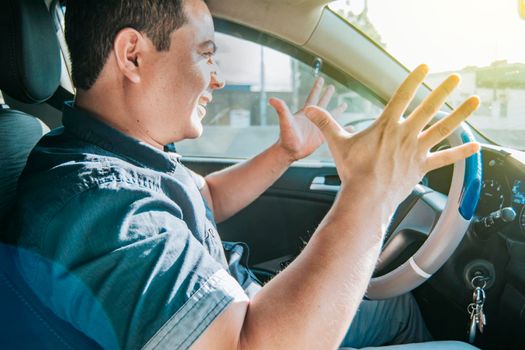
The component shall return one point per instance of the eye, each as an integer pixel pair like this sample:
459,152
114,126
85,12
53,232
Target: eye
208,54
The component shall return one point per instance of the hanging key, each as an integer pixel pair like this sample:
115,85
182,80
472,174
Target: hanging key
482,320
478,319
479,296
471,309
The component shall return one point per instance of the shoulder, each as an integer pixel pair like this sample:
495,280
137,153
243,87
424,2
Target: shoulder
60,162
79,178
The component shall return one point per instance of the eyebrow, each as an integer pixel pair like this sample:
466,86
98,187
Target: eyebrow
209,43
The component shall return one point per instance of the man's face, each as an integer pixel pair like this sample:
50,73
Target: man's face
178,84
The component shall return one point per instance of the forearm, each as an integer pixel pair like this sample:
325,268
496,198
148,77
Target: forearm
234,188
311,303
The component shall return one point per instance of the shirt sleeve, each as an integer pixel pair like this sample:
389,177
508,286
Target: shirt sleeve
123,267
199,179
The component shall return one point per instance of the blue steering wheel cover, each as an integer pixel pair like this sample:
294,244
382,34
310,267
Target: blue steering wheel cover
471,191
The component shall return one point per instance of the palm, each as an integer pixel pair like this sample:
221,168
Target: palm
299,137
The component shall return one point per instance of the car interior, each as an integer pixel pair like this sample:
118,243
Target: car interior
484,243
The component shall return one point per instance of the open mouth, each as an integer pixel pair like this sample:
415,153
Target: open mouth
202,110
202,103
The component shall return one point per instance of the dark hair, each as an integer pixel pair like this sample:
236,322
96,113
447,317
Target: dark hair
91,27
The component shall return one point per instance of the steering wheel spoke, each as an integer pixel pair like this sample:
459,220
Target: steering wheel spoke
410,226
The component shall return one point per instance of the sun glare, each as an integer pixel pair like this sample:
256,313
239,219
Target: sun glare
446,34
482,40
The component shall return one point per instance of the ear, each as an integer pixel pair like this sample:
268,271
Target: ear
127,48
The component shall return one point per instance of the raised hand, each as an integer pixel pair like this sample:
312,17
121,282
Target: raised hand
299,137
393,153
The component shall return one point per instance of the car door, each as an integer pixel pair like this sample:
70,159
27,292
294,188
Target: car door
240,124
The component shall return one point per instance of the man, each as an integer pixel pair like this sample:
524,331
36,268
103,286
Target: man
126,247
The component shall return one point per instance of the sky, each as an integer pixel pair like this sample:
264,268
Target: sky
447,34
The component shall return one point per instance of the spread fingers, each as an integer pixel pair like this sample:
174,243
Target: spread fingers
398,104
439,159
443,128
313,97
431,105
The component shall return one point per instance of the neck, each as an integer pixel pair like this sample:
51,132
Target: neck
113,107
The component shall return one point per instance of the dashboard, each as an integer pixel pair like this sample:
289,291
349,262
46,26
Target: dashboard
497,251
503,186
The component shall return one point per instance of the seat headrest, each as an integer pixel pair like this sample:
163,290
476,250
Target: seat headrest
30,57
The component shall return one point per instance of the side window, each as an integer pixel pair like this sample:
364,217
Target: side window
58,12
240,123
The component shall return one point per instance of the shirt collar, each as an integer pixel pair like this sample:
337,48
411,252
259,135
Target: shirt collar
87,127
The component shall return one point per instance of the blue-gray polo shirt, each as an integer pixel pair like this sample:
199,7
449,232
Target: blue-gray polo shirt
115,238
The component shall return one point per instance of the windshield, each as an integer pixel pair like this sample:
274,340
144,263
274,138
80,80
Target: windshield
482,40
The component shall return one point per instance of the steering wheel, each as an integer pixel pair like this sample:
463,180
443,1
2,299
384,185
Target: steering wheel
423,211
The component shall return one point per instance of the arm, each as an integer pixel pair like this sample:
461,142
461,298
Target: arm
232,189
312,302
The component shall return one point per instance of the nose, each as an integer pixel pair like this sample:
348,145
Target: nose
217,80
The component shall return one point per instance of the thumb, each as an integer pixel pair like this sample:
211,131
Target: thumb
282,111
324,121
280,107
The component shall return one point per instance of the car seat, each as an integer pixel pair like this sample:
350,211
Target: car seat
29,73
